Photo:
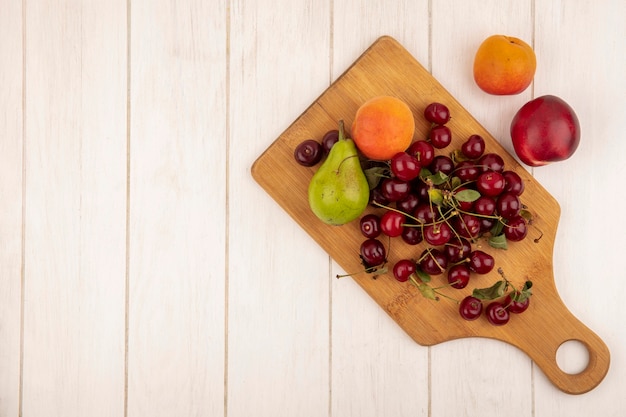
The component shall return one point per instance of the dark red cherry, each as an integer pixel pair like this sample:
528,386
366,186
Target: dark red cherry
308,153
458,276
466,225
437,113
404,166
443,164
513,183
473,147
373,253
423,151
467,171
408,203
470,308
412,235
330,138
433,261
440,136
491,162
516,307
403,269
392,223
481,262
515,229
437,234
497,314
370,225
508,205
490,183
394,189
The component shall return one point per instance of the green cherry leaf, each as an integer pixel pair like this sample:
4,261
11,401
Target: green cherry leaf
425,173
524,293
497,229
458,156
527,215
438,178
498,241
527,286
455,182
423,276
491,293
467,196
436,196
374,175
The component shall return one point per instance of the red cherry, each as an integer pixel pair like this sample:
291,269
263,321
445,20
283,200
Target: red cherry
408,203
516,307
403,269
437,234
515,229
481,262
440,136
412,235
391,223
405,166
470,308
473,147
423,151
491,162
490,183
513,183
466,225
508,205
458,276
433,261
370,225
497,314
437,113
457,249
372,253
467,171
394,189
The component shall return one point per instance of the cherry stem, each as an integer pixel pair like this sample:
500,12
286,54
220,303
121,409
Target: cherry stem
368,270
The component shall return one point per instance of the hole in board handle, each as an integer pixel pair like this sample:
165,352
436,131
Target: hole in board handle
572,357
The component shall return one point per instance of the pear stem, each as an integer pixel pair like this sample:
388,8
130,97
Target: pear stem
342,131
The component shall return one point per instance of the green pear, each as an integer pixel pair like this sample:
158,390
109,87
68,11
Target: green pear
339,191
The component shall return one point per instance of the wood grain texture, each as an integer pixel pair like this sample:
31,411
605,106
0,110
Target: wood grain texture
75,209
11,145
177,205
383,69
278,303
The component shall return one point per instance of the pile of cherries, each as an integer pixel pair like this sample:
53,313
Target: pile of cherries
447,201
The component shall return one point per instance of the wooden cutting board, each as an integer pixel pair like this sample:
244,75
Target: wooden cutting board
386,68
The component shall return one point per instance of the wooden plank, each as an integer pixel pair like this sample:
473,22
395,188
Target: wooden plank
387,68
278,304
177,218
456,366
11,143
75,209
588,260
372,357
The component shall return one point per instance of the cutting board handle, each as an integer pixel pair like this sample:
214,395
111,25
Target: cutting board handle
544,353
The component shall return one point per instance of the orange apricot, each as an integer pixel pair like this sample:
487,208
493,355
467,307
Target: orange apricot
382,127
504,65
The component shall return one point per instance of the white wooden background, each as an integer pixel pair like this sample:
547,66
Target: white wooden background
144,273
